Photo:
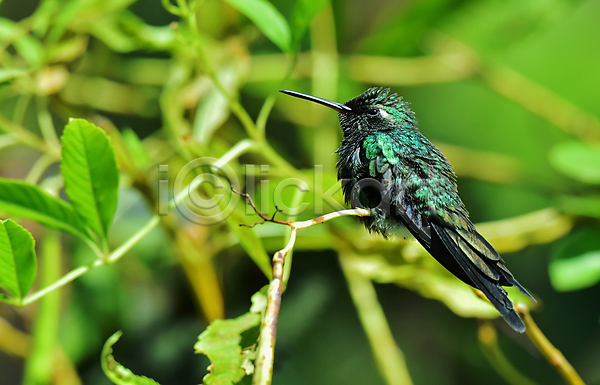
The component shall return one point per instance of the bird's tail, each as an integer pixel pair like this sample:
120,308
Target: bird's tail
480,266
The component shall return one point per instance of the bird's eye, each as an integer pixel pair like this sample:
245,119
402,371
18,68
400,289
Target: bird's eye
373,112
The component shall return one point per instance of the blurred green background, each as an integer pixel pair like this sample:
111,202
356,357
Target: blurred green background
507,89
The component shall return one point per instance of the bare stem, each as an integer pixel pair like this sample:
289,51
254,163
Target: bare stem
388,356
489,343
22,135
78,272
263,371
553,355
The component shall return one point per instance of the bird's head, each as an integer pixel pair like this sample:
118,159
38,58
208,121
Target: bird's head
375,110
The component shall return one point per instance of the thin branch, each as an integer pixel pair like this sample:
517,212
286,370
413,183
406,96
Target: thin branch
489,343
23,135
388,356
263,216
263,371
553,355
69,277
39,167
78,272
47,127
265,110
128,245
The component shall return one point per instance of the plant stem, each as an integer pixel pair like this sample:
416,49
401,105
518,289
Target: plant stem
125,247
41,361
388,356
22,135
38,168
238,110
553,355
288,266
47,127
489,343
263,371
69,277
78,272
265,110
238,149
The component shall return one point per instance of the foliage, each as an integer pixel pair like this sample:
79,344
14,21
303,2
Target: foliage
106,107
221,343
18,264
115,371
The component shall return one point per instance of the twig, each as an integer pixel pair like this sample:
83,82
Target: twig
489,343
553,355
263,216
263,371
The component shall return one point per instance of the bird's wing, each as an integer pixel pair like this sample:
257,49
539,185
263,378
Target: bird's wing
464,241
446,241
423,196
467,255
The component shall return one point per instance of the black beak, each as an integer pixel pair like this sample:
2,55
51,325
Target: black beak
341,108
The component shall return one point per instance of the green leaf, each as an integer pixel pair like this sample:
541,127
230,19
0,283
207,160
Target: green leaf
91,176
213,110
578,160
268,19
585,206
136,148
9,29
109,31
576,261
304,12
11,73
116,372
221,343
17,258
29,201
576,272
30,49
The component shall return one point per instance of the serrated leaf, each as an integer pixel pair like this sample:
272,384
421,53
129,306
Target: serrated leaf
89,169
116,372
221,343
18,265
22,199
578,160
304,12
268,19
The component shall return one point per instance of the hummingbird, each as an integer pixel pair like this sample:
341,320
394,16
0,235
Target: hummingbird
388,167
